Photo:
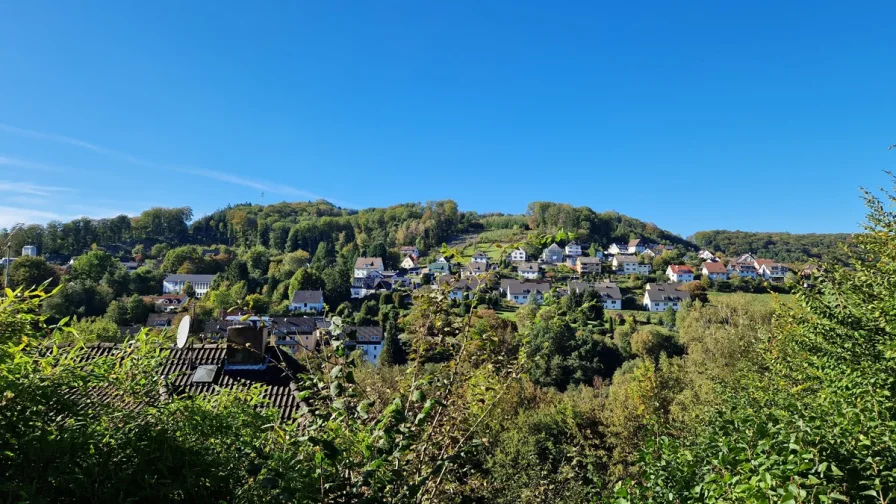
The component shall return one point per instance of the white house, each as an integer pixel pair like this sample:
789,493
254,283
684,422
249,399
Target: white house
174,284
409,262
529,270
29,250
771,270
743,270
518,255
367,339
680,273
715,271
552,254
573,249
660,297
521,292
706,255
366,265
636,246
363,287
609,292
307,301
459,289
409,250
474,268
479,257
617,248
628,265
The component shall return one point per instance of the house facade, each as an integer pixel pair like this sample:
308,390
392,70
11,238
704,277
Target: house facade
529,270
617,248
409,250
609,292
573,249
706,255
771,270
521,292
636,246
552,254
715,271
680,273
625,264
479,257
365,265
409,262
29,250
307,301
174,284
588,265
475,268
367,339
661,297
518,255
439,268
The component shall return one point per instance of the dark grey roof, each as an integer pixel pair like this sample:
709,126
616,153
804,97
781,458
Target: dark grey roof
477,267
607,290
309,297
189,278
528,266
179,369
554,248
464,284
666,293
620,258
515,287
369,263
364,334
589,260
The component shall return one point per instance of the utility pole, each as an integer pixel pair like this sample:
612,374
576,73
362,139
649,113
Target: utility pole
262,198
8,246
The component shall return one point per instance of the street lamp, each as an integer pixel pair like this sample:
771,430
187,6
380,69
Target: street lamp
15,229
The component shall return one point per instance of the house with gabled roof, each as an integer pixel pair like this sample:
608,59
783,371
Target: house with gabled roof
475,268
617,248
626,264
553,254
439,268
529,270
588,265
609,292
771,270
407,250
518,255
409,262
680,273
480,257
636,246
459,288
307,301
714,270
660,297
366,265
521,292
175,284
573,249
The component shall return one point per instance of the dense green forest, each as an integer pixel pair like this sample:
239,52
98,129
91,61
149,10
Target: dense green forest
724,401
287,227
782,247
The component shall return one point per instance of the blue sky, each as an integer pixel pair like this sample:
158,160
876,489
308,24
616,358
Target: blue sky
695,115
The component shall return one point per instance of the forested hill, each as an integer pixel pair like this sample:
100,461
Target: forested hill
783,247
288,227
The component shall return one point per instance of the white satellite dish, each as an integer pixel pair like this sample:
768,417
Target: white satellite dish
183,331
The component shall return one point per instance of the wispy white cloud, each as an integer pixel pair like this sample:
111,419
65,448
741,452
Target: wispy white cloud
24,163
29,188
259,185
9,216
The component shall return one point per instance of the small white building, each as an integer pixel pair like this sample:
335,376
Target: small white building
706,255
552,254
680,273
479,257
518,255
366,265
661,297
617,248
307,301
521,292
29,250
174,284
573,249
529,270
628,265
367,339
409,262
714,270
771,270
636,246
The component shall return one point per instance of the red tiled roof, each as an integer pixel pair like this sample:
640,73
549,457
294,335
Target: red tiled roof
714,267
680,268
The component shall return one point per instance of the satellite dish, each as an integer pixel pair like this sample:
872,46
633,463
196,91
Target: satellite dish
183,330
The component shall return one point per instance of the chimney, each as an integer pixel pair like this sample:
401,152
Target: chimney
245,346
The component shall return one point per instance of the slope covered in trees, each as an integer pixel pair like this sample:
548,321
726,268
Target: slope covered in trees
728,401
782,247
288,227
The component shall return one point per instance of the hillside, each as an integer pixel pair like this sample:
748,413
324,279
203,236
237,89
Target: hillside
783,247
288,227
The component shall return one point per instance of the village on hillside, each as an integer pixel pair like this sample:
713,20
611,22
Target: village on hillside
623,277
